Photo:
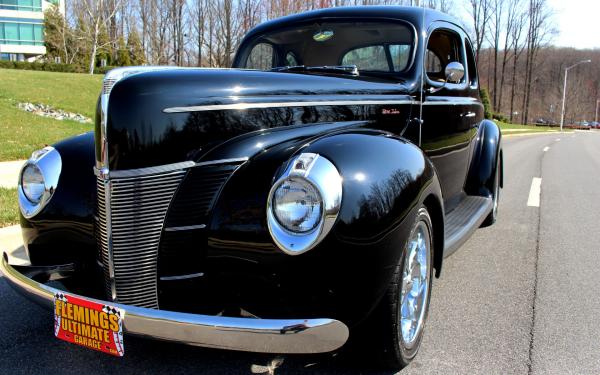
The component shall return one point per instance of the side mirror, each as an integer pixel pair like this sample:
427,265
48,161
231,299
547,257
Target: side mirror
455,72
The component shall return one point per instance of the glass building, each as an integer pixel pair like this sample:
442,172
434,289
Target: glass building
22,28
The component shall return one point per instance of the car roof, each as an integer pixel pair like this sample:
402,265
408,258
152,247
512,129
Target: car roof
415,15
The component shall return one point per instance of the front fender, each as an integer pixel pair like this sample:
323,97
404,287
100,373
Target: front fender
480,180
68,219
385,180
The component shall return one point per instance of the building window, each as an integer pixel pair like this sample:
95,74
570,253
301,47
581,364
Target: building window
23,34
22,5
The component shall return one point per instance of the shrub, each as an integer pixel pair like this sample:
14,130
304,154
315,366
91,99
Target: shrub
485,100
47,67
500,117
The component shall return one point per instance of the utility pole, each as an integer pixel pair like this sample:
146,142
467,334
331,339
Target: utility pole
597,103
562,116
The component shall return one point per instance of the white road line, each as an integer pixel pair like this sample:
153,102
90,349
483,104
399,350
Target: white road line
534,192
546,148
557,139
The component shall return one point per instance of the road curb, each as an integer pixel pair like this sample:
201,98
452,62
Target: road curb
535,133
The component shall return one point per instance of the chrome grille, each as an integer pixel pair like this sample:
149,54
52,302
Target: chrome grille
138,206
107,85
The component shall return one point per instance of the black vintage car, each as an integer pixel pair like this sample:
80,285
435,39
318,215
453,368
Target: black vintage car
314,188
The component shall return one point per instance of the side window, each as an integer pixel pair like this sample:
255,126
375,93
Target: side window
471,66
261,57
433,64
374,58
444,47
367,58
400,54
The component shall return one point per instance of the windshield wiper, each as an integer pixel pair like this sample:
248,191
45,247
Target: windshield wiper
339,69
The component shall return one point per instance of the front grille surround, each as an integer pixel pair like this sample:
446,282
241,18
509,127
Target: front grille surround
131,215
132,220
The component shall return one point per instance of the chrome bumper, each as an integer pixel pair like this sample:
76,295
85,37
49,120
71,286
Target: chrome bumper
244,334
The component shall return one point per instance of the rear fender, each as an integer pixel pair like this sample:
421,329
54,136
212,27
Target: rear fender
486,158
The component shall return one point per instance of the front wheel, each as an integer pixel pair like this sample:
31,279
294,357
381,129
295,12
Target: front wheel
403,310
493,215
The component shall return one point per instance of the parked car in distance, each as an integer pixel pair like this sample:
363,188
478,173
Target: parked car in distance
278,206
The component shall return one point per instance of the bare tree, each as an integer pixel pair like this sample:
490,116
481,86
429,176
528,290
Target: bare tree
496,26
516,37
480,14
512,18
97,15
538,33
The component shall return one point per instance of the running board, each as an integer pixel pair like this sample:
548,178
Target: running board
462,221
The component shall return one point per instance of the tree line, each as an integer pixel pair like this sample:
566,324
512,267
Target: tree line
512,39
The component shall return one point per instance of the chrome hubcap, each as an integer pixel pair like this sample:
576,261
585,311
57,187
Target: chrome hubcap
496,197
415,284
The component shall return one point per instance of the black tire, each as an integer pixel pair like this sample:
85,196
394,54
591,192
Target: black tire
393,352
492,216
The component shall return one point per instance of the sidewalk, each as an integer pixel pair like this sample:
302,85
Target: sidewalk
11,242
9,173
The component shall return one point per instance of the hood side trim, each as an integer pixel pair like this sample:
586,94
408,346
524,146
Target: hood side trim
241,106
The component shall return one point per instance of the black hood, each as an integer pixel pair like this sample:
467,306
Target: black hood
169,116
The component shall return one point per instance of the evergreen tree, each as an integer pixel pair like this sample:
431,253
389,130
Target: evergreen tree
136,51
81,61
485,100
122,54
104,48
54,23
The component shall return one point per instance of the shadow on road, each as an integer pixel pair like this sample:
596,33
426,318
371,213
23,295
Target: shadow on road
29,346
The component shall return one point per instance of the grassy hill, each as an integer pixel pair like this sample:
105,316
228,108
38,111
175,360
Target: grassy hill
22,132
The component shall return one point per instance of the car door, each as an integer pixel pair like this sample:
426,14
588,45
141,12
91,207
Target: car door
451,111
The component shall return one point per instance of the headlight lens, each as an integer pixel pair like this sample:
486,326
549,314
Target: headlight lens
32,181
297,205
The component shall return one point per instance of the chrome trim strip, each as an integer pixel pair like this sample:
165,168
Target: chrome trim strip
182,277
241,106
189,227
109,238
126,173
244,334
453,102
221,161
139,172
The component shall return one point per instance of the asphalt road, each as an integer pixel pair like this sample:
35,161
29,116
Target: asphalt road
522,296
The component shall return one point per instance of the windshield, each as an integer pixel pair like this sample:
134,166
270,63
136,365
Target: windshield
373,47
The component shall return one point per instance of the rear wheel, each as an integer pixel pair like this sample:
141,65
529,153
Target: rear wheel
402,315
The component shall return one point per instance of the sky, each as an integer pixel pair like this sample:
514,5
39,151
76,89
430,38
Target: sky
577,22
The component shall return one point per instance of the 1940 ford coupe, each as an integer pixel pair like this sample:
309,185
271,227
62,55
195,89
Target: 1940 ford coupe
314,188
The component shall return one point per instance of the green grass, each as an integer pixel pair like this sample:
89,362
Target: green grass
524,129
69,91
9,210
22,132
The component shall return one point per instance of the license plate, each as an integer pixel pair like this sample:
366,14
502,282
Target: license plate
90,324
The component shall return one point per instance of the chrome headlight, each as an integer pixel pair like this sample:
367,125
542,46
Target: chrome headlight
32,181
304,203
297,205
38,180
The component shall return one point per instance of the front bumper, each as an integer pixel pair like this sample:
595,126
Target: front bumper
244,334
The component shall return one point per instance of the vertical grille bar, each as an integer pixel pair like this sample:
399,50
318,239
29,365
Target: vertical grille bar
131,214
